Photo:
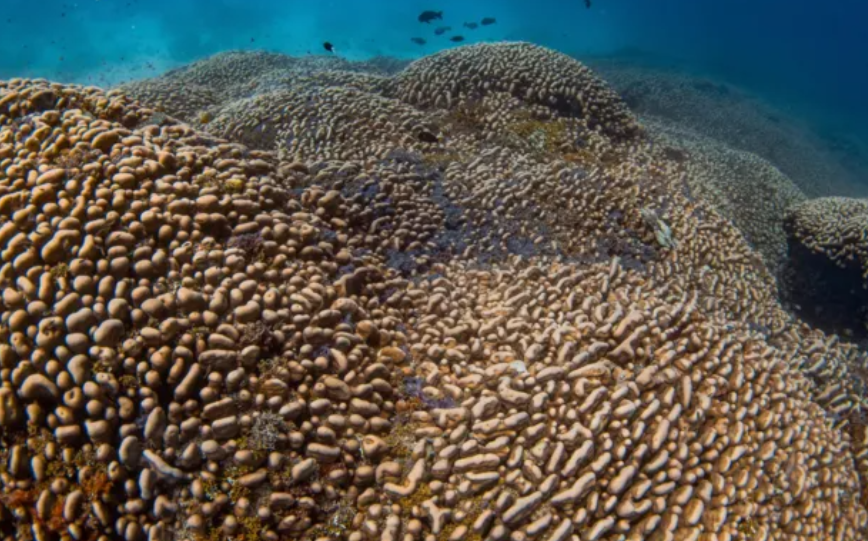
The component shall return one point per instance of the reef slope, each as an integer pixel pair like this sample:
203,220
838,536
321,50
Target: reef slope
471,300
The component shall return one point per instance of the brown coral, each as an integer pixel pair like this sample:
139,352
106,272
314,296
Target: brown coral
537,337
828,263
526,71
740,185
837,227
734,118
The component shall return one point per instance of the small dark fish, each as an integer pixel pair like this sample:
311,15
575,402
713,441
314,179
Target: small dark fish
418,41
472,26
588,4
442,30
428,16
488,21
328,47
456,39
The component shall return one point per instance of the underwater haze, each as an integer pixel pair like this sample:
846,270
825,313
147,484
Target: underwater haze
797,53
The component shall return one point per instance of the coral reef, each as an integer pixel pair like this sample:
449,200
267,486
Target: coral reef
817,164
496,317
529,72
828,264
740,185
189,90
835,227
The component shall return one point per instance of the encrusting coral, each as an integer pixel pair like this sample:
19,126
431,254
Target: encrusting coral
836,227
502,318
812,159
828,263
741,186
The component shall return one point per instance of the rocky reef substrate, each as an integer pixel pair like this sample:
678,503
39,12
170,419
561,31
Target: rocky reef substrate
266,298
828,264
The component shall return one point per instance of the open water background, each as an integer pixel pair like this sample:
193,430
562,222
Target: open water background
809,59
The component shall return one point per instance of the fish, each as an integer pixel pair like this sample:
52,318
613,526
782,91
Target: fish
442,30
472,26
488,21
588,4
428,16
328,47
418,41
456,39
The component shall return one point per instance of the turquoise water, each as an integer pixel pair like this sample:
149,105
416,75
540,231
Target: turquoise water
804,58
801,52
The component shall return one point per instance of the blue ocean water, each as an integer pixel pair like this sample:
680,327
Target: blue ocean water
806,56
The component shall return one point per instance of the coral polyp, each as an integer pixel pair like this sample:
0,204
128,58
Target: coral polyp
264,298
